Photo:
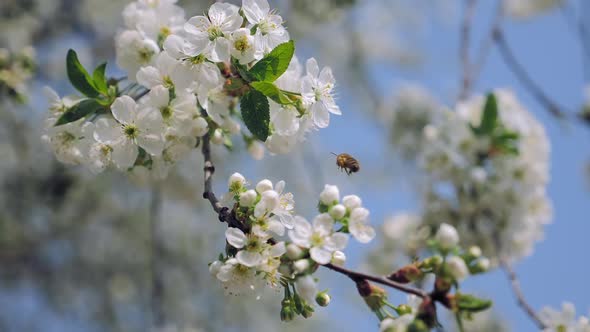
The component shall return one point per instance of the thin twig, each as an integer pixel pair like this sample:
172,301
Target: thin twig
464,47
486,46
523,76
515,284
356,276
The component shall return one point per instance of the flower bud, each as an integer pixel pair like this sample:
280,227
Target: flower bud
256,150
322,299
481,265
263,186
338,258
307,311
352,201
432,262
337,211
199,127
294,252
474,252
217,137
404,309
248,198
236,181
287,314
447,236
301,265
457,268
330,195
270,199
214,268
407,274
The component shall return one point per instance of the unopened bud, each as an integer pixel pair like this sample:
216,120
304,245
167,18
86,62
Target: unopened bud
337,211
404,309
330,195
301,265
248,198
373,295
294,252
199,127
407,274
217,137
432,262
474,251
236,181
447,236
307,311
263,186
322,299
338,258
481,265
457,268
352,202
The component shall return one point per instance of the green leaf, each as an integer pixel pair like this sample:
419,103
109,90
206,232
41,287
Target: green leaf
256,114
470,303
272,91
78,111
489,119
100,79
273,65
79,77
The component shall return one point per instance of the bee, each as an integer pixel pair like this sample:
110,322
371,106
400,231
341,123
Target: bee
347,163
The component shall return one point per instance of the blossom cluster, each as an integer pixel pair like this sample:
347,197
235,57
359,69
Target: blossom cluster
486,169
186,79
498,174
564,320
270,245
16,68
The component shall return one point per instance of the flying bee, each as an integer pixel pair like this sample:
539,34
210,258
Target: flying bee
347,163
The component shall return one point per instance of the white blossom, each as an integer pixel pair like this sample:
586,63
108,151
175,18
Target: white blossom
319,238
316,90
359,227
269,29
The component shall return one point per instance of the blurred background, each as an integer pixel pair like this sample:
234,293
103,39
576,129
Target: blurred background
80,252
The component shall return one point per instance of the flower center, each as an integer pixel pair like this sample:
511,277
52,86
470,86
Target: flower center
168,84
145,54
66,137
166,112
241,44
253,244
105,150
316,240
214,32
131,131
197,60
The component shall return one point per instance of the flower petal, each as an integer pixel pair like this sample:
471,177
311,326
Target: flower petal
235,237
320,255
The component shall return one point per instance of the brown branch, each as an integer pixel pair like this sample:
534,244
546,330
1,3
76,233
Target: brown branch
466,65
358,276
526,307
523,76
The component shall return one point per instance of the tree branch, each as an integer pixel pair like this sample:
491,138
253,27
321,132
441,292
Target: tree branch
466,65
523,76
357,276
515,284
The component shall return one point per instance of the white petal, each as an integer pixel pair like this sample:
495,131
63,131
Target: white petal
124,109
337,241
320,255
174,46
107,130
323,224
235,237
277,250
149,77
255,10
220,51
249,258
124,154
159,97
312,67
276,227
302,226
326,76
320,115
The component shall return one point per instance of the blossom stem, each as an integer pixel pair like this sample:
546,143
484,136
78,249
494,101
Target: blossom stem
526,307
356,276
466,65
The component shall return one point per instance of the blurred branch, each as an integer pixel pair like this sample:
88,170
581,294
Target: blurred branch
157,284
579,29
523,76
515,284
464,46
